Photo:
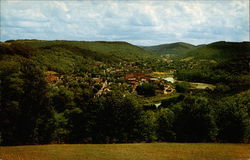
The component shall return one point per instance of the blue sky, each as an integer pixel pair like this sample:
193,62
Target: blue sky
140,22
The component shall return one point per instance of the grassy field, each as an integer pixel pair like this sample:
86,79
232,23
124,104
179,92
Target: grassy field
156,99
138,151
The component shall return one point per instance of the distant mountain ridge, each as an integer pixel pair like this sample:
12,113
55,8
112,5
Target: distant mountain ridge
171,48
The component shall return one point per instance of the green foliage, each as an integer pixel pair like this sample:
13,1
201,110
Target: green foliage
146,89
195,122
15,48
34,111
61,132
182,86
220,62
120,118
148,126
77,126
24,106
165,123
233,118
62,98
222,50
222,88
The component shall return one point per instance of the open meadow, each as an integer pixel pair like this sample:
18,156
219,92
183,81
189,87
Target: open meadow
137,151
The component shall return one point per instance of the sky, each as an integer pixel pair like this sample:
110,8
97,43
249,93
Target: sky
140,22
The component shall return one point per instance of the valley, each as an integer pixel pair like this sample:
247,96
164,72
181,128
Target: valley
116,92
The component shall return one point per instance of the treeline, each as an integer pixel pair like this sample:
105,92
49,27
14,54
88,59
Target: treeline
33,112
225,82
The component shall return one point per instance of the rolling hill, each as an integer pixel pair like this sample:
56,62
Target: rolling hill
218,62
72,56
229,56
172,48
221,51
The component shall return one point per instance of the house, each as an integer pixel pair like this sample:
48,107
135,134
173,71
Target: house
51,78
129,76
169,79
154,80
96,80
168,89
137,76
131,79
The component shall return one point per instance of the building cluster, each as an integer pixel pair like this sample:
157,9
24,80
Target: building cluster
136,79
133,80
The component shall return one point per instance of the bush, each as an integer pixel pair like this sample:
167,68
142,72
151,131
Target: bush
182,86
146,89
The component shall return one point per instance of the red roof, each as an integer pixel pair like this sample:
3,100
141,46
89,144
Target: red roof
138,76
52,78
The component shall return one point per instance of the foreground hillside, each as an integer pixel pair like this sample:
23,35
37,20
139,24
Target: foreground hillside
141,151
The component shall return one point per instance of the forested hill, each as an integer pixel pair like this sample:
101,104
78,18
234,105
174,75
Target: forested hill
72,56
116,50
231,56
221,51
172,48
219,62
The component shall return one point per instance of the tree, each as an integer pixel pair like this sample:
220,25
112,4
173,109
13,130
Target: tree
11,94
148,126
119,118
76,125
195,122
182,86
34,106
233,119
62,98
165,122
146,89
25,109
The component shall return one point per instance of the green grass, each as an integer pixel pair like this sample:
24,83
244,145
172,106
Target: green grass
139,151
156,99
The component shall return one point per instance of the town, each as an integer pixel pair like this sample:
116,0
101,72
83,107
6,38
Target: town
163,82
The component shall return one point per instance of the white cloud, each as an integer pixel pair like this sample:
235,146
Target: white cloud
138,22
61,5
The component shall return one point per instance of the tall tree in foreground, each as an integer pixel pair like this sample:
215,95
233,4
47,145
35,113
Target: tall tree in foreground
196,121
233,118
26,116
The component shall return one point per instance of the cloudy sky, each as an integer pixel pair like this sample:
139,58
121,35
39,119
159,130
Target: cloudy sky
140,22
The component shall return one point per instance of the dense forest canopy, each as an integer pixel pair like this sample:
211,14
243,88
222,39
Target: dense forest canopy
115,92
